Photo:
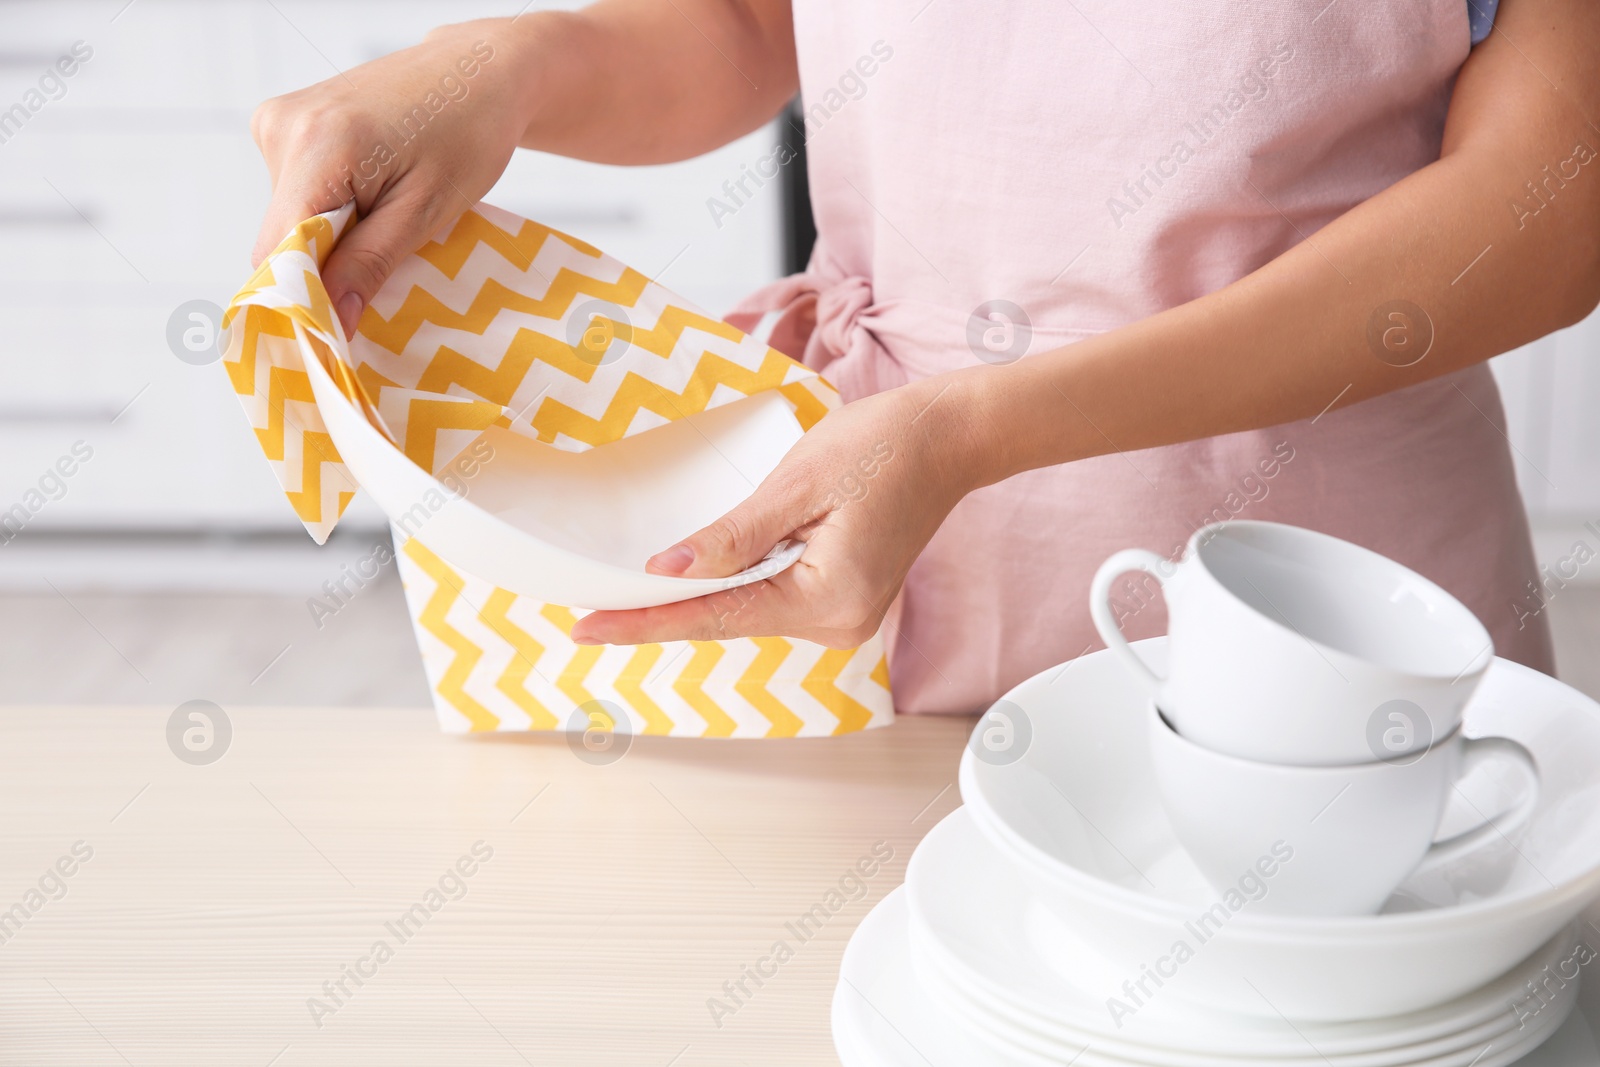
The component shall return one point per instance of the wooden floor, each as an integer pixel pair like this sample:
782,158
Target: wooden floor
618,900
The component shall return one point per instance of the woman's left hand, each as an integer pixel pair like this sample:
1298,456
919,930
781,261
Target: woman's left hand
865,489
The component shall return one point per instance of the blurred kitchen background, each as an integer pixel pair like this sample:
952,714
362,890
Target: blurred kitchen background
167,566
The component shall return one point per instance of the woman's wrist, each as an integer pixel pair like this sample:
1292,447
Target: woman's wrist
1015,418
968,420
530,51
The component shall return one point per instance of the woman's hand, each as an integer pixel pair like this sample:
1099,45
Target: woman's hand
865,489
418,137
415,138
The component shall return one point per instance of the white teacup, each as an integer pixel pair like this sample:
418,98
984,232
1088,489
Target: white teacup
1290,646
1324,840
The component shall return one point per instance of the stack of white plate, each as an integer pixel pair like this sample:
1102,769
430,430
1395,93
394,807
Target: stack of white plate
1055,920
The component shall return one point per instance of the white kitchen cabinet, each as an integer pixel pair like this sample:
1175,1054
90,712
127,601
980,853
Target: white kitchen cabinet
1551,390
140,189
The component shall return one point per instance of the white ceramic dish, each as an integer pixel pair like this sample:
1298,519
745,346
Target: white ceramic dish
1326,840
1079,808
978,961
1291,646
1484,1044
1504,1049
575,528
881,1017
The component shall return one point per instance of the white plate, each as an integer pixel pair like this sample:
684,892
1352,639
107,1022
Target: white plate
1503,1049
1079,809
575,528
972,931
882,1018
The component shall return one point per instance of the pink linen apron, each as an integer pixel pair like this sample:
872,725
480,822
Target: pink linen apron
1094,162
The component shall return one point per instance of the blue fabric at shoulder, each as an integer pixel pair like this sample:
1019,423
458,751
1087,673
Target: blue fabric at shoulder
1480,16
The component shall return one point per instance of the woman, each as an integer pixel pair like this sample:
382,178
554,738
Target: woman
1253,257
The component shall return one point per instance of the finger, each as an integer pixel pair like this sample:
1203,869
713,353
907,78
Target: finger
289,208
368,253
298,168
756,610
739,539
299,146
267,128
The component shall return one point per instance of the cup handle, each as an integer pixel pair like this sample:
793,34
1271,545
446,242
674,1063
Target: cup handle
1479,750
1129,559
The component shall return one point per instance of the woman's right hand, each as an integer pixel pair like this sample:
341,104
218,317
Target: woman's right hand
416,138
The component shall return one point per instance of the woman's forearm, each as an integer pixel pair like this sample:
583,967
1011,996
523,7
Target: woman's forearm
624,81
646,81
1324,325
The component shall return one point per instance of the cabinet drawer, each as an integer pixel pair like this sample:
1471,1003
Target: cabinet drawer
86,210
140,189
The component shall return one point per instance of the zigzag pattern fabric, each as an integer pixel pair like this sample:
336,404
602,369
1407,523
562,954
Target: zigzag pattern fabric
503,662
503,322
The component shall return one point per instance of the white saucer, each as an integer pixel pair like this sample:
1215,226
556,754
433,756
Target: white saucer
973,944
1077,807
882,1018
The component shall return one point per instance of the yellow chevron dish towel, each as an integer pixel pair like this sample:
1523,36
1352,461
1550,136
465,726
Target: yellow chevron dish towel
491,325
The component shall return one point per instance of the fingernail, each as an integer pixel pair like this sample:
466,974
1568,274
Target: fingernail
350,312
674,560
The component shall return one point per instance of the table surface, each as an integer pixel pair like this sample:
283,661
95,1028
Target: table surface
222,906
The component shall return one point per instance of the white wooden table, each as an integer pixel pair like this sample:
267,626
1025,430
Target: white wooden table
618,901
